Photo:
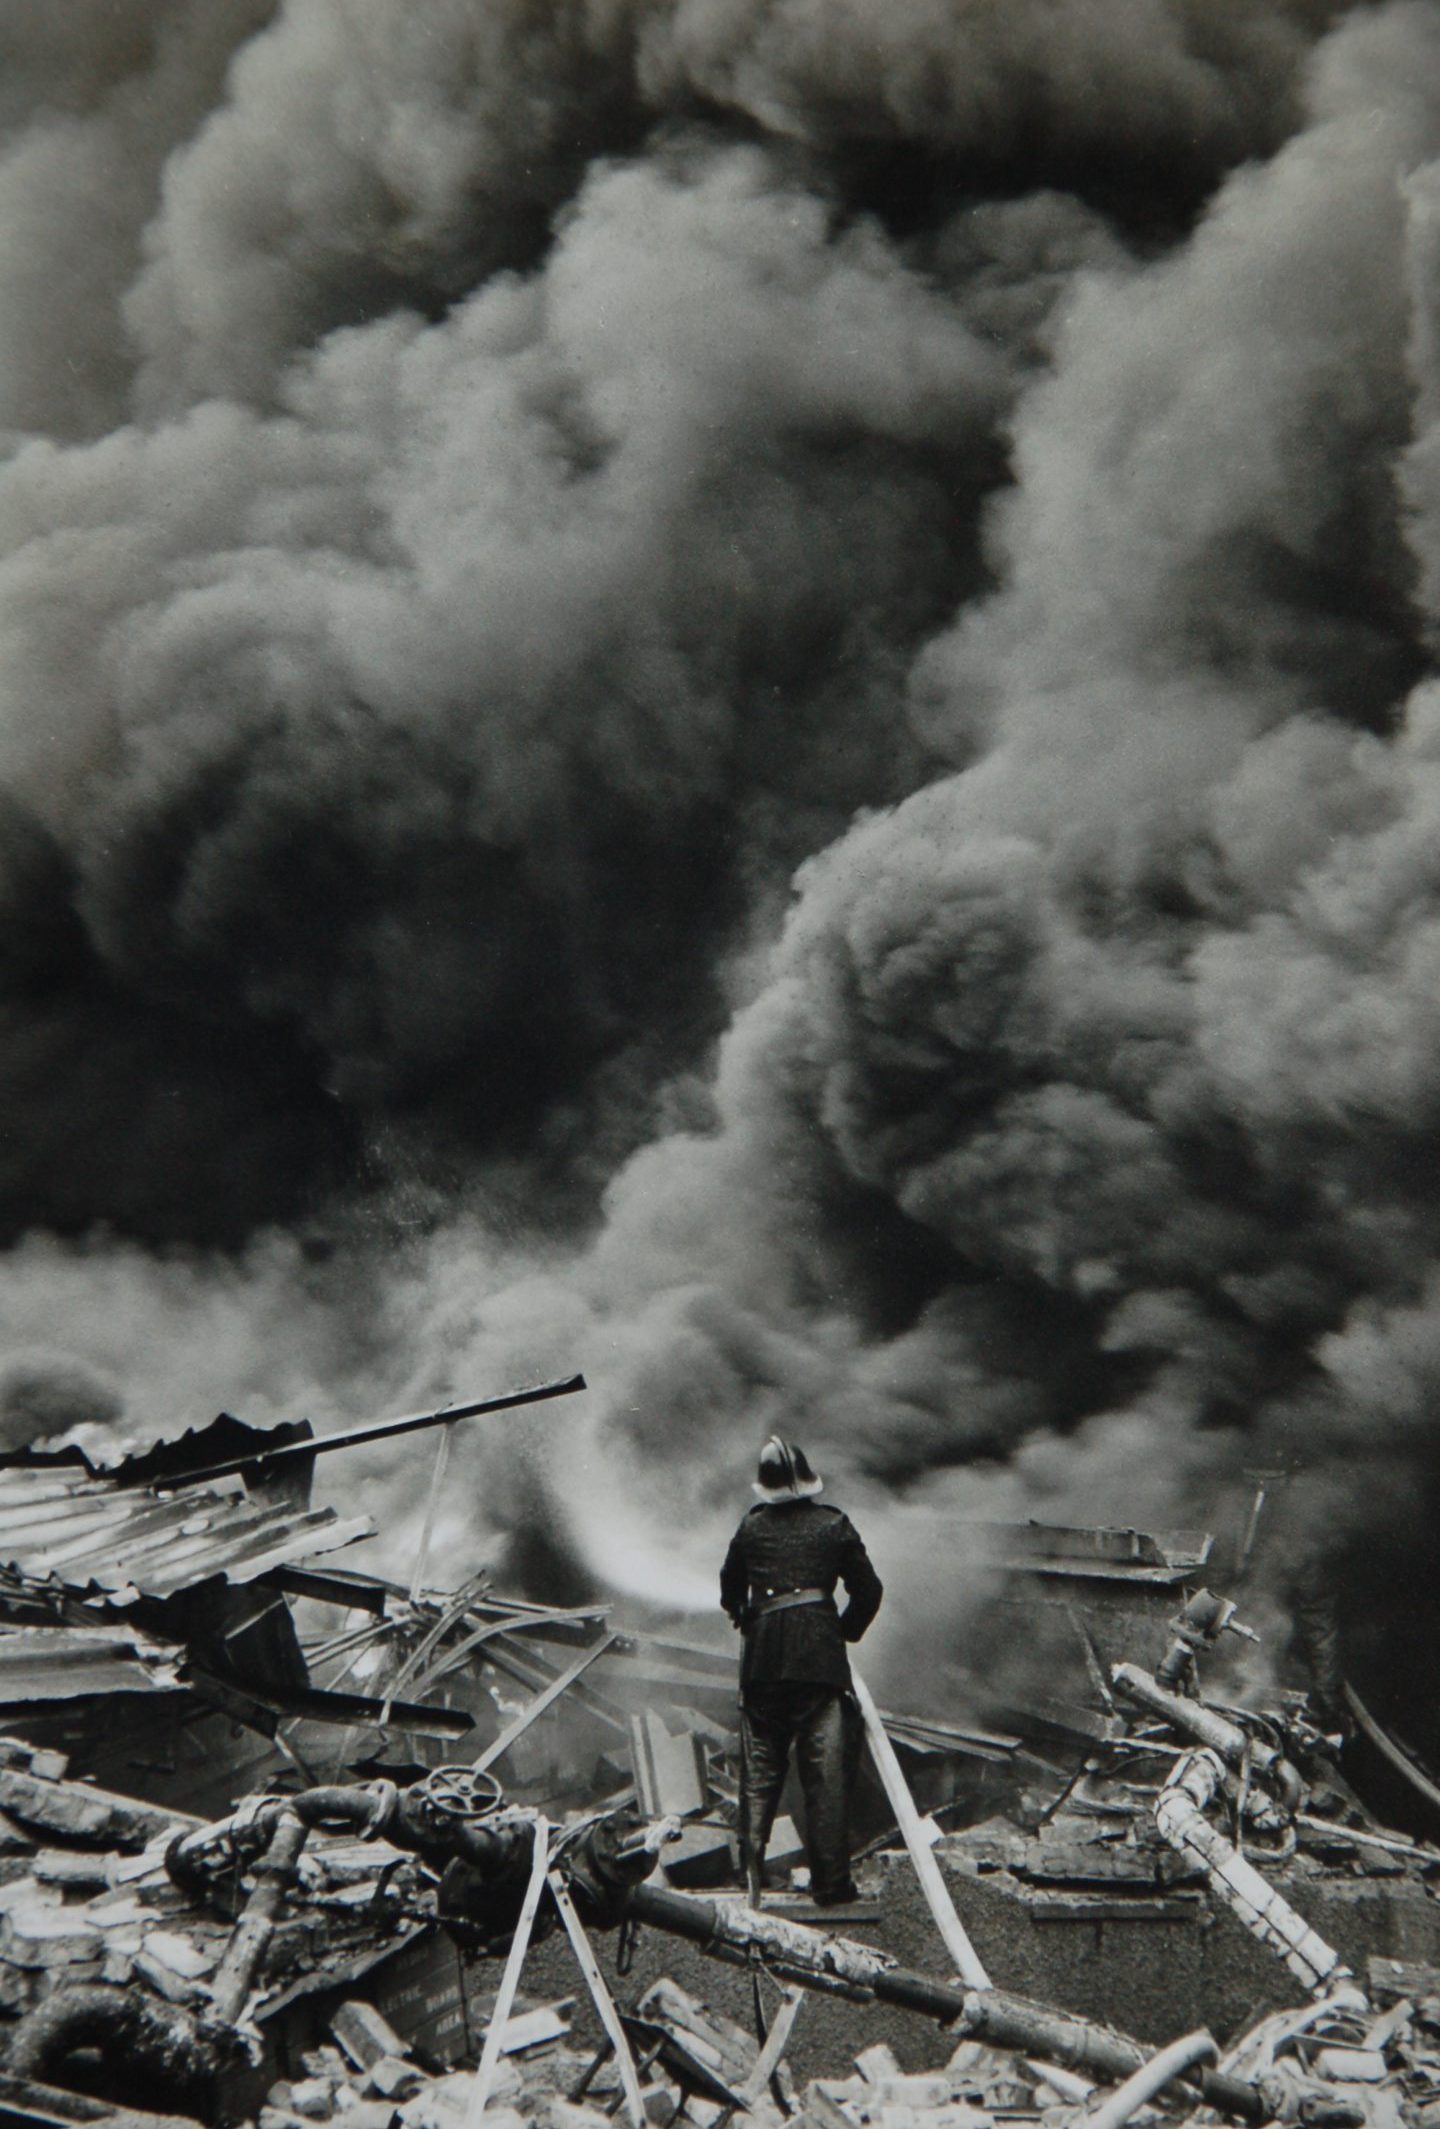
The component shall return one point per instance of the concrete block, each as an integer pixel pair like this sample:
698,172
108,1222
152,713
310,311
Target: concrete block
703,1855
365,2034
535,2028
669,1768
878,2065
176,1988
569,2114
917,2089
823,2109
313,2098
390,2078
180,1954
35,1933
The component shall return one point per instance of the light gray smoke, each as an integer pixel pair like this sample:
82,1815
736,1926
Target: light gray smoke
738,696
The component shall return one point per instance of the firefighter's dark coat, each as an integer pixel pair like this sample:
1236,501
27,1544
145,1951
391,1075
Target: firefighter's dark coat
799,1545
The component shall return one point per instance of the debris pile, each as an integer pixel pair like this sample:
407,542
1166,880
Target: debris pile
281,1843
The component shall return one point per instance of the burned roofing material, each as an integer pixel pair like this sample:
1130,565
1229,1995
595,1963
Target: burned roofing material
125,1532
154,1523
173,1571
93,1533
61,1663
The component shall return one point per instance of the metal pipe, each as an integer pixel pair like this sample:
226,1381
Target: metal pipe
379,1430
727,1930
1179,1814
1212,1730
158,2041
194,1857
1152,2078
1361,1837
274,1875
1206,1725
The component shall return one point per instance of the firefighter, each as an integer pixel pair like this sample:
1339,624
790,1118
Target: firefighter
778,1587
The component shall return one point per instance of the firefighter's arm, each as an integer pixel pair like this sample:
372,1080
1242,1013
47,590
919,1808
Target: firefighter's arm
734,1584
863,1587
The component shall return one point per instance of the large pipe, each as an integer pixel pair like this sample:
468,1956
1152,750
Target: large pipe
1179,1814
1209,1728
156,2043
379,1430
1206,1725
726,1930
408,1818
274,1875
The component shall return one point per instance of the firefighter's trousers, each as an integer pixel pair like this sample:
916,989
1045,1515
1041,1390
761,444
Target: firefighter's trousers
822,1724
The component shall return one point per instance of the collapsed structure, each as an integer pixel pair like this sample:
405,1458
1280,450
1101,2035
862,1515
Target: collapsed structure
280,1842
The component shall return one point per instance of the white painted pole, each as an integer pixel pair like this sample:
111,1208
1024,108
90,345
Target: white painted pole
510,1979
777,2040
603,2001
918,1834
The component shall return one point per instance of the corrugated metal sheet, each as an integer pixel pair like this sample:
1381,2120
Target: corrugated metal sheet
61,1663
130,1541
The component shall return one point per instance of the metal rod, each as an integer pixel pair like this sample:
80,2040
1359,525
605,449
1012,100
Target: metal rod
1392,1844
453,1611
1252,1524
1385,1744
321,1444
432,1506
540,1703
451,1659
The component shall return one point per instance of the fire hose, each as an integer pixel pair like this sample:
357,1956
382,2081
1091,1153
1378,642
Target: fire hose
1151,2079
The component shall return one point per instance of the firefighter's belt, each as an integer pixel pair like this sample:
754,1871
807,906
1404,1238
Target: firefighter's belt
786,1601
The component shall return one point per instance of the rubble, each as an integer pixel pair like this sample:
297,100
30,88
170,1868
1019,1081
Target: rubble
282,1901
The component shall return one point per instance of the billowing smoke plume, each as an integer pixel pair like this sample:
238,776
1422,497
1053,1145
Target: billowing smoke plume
741,696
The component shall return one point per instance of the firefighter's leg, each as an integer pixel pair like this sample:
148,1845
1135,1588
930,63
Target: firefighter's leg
765,1733
824,1759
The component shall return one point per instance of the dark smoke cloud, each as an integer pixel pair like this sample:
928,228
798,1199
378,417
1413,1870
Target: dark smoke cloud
742,696
42,1395
367,154
434,722
94,99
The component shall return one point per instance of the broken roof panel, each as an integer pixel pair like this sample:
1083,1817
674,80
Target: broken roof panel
163,1461
89,1532
1165,1557
61,1663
